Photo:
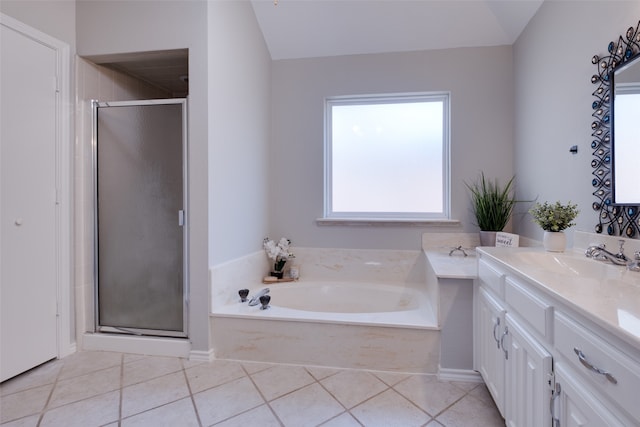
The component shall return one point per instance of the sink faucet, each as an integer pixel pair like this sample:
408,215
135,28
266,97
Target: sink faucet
634,265
600,253
458,248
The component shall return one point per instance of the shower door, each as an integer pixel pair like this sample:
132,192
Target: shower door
140,233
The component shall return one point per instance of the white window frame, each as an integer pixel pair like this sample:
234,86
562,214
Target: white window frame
443,97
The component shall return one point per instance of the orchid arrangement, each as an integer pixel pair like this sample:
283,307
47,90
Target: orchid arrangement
278,252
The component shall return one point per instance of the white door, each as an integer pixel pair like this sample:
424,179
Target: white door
491,360
28,288
528,370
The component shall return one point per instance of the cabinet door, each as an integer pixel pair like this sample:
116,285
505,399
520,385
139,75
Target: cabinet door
528,371
576,406
491,362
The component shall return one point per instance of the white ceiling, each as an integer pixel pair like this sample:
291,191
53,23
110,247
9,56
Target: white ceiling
314,28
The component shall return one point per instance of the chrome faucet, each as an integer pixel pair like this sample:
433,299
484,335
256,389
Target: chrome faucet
458,248
600,253
256,298
634,265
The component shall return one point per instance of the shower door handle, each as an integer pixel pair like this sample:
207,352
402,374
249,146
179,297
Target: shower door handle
181,217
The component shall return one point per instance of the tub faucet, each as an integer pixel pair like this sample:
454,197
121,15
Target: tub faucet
256,298
600,253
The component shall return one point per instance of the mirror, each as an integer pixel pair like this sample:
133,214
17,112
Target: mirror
614,179
625,146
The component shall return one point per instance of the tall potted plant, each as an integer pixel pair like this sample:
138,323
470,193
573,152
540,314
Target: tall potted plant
492,206
554,219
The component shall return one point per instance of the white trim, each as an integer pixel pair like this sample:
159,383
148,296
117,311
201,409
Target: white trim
389,222
170,347
466,375
64,185
393,98
202,356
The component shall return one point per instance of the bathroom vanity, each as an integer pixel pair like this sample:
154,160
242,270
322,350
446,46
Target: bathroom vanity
557,337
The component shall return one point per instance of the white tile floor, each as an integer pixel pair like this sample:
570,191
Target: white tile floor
113,389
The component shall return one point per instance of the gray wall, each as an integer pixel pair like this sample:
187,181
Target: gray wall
53,17
239,128
228,119
481,85
553,92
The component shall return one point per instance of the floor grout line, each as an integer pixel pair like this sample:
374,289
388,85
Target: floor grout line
85,363
46,403
193,400
266,402
121,390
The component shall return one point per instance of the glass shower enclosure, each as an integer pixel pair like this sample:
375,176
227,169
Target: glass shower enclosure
139,162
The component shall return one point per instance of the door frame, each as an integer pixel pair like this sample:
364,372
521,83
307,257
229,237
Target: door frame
66,342
95,105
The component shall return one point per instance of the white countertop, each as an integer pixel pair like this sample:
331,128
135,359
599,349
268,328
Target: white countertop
456,266
605,293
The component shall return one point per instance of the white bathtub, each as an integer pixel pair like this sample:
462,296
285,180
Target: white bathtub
344,297
351,309
353,303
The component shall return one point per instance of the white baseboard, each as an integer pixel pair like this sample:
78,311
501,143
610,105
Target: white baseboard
64,352
202,356
172,347
465,375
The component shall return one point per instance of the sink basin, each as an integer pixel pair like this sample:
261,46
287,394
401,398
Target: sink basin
568,265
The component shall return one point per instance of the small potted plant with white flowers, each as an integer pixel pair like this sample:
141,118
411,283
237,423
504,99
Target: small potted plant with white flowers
279,254
554,219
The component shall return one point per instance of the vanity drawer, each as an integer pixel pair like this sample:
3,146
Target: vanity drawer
530,307
491,276
622,379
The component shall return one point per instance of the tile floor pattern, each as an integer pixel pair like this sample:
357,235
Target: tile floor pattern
112,389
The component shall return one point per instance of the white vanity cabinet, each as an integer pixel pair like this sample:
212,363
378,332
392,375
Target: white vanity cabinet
544,362
514,365
489,358
528,369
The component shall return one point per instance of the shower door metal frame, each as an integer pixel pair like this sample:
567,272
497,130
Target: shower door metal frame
182,218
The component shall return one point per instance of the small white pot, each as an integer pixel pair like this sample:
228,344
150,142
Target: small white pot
554,241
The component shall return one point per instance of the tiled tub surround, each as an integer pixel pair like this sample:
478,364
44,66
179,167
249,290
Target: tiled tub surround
405,340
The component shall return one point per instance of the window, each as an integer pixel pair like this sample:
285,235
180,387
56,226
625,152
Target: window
387,157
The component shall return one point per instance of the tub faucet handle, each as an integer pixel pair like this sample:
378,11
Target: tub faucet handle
256,298
620,253
244,293
264,300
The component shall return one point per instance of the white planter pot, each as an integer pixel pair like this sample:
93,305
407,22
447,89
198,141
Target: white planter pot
554,241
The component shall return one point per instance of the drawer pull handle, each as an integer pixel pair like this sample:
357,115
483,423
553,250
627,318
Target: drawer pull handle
583,359
495,326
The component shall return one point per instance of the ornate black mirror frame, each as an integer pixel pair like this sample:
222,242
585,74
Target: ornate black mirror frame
614,219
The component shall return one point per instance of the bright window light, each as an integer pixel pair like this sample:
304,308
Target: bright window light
387,157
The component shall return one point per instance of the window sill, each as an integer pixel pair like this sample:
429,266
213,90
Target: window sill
388,222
